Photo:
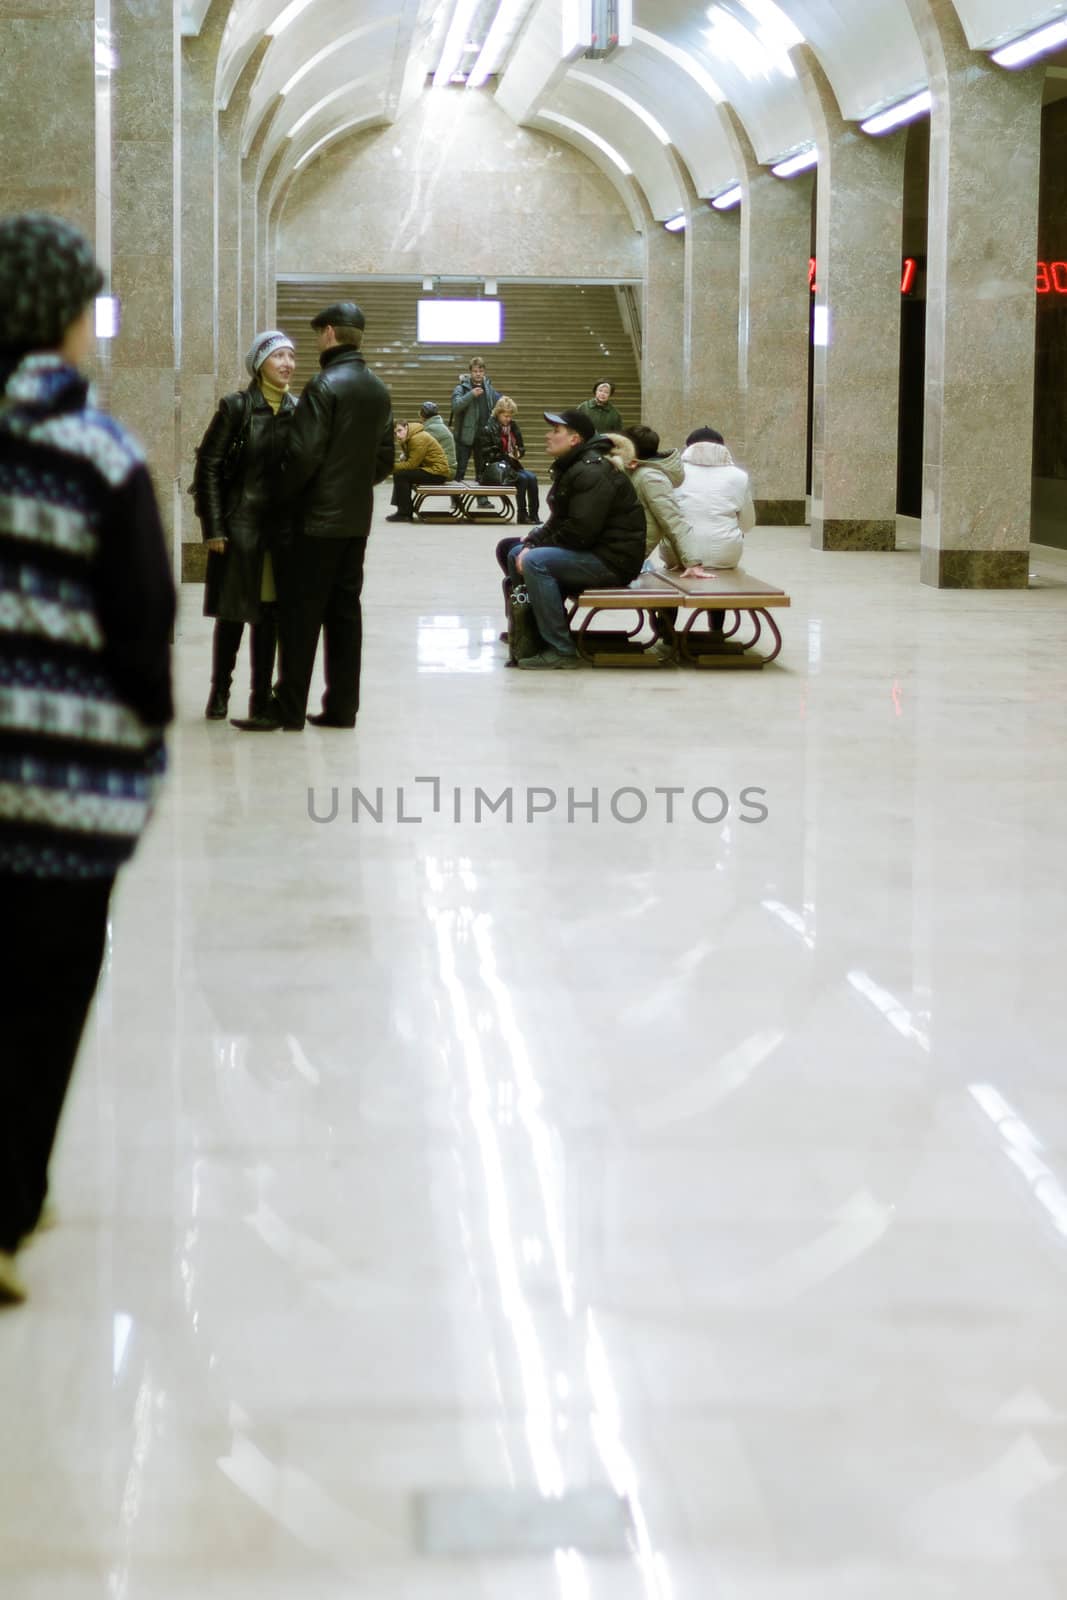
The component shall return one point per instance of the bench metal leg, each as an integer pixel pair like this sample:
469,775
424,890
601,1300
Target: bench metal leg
712,649
619,648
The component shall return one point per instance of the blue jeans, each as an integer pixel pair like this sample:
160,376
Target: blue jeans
529,507
550,573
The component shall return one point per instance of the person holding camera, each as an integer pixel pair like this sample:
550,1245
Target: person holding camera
473,400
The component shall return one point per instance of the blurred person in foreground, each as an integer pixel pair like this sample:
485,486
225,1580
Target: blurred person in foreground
86,610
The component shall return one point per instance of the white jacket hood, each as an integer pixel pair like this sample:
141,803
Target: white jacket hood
706,454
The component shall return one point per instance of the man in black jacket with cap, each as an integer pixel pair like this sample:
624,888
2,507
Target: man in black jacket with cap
340,446
594,536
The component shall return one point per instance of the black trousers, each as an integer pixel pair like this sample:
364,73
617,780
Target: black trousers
47,981
226,644
320,582
404,480
463,455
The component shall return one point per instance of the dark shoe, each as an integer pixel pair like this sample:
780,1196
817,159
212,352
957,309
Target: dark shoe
269,724
548,661
319,719
217,706
396,517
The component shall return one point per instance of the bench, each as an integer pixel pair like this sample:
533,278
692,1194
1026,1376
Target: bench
461,502
749,601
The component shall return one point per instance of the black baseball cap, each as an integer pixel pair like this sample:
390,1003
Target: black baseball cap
345,314
579,422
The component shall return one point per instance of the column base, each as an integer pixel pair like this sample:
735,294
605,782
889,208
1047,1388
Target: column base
974,569
194,563
782,513
860,533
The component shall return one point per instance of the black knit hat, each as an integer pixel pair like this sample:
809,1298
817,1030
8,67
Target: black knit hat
48,275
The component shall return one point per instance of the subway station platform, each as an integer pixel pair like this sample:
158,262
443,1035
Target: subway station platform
576,1207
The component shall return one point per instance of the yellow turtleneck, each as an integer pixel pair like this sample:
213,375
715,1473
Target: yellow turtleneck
271,393
274,397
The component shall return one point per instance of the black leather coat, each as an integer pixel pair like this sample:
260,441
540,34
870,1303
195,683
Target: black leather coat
489,446
594,507
340,446
244,509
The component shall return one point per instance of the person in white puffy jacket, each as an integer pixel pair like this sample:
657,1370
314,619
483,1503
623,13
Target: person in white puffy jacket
715,499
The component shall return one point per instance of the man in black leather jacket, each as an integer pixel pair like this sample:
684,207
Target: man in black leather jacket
594,536
340,446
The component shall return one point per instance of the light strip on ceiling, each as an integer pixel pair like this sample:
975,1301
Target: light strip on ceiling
501,32
1020,51
798,163
594,138
895,116
284,18
681,59
624,100
728,198
327,99
455,42
322,55
676,224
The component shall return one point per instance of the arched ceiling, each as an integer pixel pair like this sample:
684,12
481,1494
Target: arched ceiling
645,112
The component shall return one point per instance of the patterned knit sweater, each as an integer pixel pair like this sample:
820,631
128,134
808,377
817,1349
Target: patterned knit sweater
86,609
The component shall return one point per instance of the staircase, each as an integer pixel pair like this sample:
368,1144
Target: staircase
559,339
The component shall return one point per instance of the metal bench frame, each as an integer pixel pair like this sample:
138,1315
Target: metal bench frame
736,593
462,501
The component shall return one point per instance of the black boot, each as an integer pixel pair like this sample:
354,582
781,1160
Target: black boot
218,703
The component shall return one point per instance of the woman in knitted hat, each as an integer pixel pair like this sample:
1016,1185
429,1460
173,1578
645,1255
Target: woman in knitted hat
86,608
236,488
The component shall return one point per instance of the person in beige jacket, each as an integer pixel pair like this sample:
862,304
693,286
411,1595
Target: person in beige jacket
422,460
655,474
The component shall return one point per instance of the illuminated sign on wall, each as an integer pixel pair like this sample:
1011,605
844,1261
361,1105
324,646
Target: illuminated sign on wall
1052,277
909,275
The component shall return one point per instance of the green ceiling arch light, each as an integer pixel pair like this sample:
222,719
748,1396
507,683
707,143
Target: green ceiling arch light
727,199
917,105
800,161
1031,45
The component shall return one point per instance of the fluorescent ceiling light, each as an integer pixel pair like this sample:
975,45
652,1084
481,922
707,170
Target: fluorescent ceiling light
895,116
681,59
1032,44
758,50
798,163
728,198
284,18
676,224
455,42
624,100
594,138
106,317
502,31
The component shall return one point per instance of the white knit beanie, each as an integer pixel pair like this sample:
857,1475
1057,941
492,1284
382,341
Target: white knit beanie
264,345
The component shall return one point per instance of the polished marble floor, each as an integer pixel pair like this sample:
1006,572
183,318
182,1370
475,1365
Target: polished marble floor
574,1208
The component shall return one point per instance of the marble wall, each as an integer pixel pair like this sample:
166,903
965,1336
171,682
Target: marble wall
663,335
47,162
712,289
455,188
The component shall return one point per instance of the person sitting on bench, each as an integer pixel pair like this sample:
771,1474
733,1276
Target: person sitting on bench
594,536
715,498
499,449
422,461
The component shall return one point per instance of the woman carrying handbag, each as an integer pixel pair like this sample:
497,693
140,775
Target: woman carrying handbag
499,451
237,500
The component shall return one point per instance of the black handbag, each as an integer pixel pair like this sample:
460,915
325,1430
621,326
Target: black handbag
230,469
496,473
524,636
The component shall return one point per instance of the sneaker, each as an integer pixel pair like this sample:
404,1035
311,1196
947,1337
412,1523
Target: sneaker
12,1289
548,661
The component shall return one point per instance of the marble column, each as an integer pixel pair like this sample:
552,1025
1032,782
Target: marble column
200,306
47,109
252,296
709,329
712,308
663,333
773,337
857,340
265,239
984,171
232,327
146,234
